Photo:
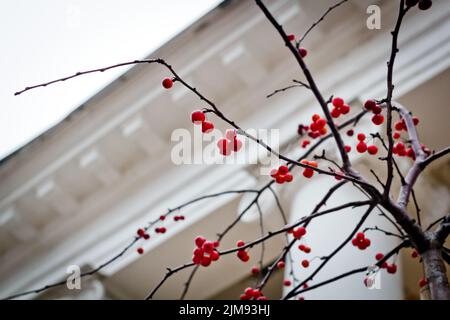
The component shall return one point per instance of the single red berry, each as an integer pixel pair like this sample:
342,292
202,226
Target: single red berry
303,52
425,4
321,123
236,144
396,135
198,252
308,173
335,113
167,83
423,282
360,236
291,37
350,132
361,147
216,244
140,232
315,117
287,283
337,102
162,230
162,218
146,236
244,297
206,261
224,147
347,148
302,247
372,150
299,232
283,170
281,264
197,117
379,256
305,263
414,254
415,121
140,250
207,126
361,136
208,246
214,255
240,243
376,109
289,177
399,126
307,249
255,270
370,104
392,268
196,259
280,179
378,119
344,109
199,241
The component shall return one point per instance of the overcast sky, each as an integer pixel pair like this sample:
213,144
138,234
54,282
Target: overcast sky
46,39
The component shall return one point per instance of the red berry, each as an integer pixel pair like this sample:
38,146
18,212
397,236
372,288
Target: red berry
214,255
281,264
321,123
392,268
287,283
197,117
415,121
350,132
399,125
199,241
344,109
167,83
208,246
288,177
240,243
305,263
283,170
291,37
299,232
396,135
196,259
425,4
140,250
376,109
236,144
423,282
162,218
303,52
315,117
335,113
146,236
372,150
361,136
224,147
379,256
378,119
207,126
255,270
140,232
206,261
414,254
308,173
216,244
370,104
280,179
337,102
307,249
361,147
347,148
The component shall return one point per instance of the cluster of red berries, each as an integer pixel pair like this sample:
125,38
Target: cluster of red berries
372,106
205,252
242,254
317,127
308,172
401,124
254,294
281,175
160,230
198,117
230,143
362,147
361,241
339,107
304,248
400,150
142,234
167,83
178,218
390,268
423,4
298,233
301,51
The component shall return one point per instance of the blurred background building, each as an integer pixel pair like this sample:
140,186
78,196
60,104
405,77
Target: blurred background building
76,194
